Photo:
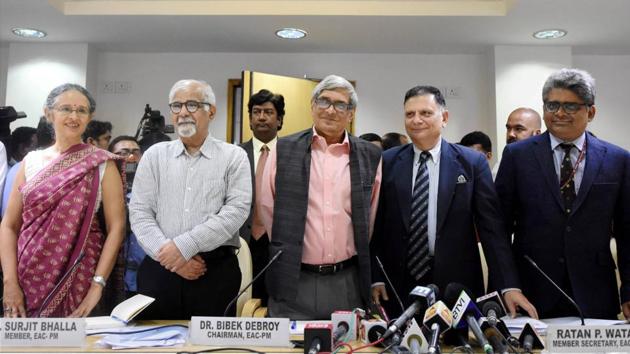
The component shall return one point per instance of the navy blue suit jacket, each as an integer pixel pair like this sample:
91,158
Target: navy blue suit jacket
466,197
529,190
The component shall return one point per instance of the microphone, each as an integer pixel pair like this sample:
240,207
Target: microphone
415,338
262,271
317,338
437,318
423,298
371,330
495,337
465,312
531,261
389,282
492,307
345,325
529,339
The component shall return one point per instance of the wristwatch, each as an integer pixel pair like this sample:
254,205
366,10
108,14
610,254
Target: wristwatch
99,280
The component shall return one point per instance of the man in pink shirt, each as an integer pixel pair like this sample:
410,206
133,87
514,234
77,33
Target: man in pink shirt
318,201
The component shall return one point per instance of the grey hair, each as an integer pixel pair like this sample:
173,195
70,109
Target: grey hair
577,81
206,90
57,91
333,82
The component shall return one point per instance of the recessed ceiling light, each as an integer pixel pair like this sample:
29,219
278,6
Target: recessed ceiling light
550,34
291,33
28,32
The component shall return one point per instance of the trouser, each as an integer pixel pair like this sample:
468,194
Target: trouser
177,298
320,295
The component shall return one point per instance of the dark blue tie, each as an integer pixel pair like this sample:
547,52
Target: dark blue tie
418,250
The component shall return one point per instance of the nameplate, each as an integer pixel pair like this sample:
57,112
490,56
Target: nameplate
246,331
42,332
581,339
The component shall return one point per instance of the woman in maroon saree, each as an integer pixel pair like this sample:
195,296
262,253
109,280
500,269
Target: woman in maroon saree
55,258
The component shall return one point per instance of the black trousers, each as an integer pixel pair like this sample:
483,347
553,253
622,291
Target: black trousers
177,298
260,256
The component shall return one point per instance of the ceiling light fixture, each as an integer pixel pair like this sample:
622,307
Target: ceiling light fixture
28,32
291,33
550,34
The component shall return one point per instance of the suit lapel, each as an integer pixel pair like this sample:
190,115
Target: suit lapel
449,168
544,155
404,173
595,154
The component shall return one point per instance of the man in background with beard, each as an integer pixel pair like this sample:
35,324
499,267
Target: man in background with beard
189,198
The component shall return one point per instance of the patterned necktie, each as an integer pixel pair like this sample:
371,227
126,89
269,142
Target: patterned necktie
567,184
258,229
418,247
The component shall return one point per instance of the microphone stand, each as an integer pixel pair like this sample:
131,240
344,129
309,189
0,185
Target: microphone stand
531,261
229,305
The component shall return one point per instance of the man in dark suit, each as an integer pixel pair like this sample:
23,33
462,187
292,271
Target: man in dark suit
433,195
565,193
266,112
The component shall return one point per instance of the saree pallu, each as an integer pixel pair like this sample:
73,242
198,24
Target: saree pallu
60,241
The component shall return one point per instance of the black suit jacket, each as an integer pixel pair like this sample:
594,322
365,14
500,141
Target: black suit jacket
529,189
246,229
466,196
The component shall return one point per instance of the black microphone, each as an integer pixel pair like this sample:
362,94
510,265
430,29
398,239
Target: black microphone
389,282
273,259
423,298
492,307
531,261
465,312
529,339
317,338
495,337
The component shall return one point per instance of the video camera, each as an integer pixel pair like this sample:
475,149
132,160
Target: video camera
151,123
7,115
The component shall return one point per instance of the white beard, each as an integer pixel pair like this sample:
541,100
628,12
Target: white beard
186,129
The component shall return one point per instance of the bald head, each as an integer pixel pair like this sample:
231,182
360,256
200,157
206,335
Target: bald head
521,124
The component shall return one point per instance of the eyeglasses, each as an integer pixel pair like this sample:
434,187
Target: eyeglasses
67,110
267,112
191,106
323,103
128,152
567,107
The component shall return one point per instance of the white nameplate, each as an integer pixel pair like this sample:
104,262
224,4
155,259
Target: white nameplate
580,339
233,331
42,332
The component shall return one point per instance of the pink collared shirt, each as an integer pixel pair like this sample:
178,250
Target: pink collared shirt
329,235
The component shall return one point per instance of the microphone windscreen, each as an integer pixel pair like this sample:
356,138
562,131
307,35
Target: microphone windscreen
452,292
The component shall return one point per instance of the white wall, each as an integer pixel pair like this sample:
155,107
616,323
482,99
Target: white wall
520,72
382,81
4,66
35,69
612,77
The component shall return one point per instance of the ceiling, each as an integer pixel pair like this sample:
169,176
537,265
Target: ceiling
334,26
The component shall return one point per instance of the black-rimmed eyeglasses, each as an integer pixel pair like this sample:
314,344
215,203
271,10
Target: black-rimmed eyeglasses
567,107
191,106
323,103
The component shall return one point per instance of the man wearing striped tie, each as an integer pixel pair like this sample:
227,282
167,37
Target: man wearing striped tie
433,195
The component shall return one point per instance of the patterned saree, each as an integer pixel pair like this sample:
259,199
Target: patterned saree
60,241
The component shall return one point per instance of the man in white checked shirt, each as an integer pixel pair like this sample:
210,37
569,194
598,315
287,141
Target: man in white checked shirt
189,198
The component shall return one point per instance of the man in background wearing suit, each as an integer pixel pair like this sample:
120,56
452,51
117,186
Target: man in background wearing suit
433,195
565,193
266,113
